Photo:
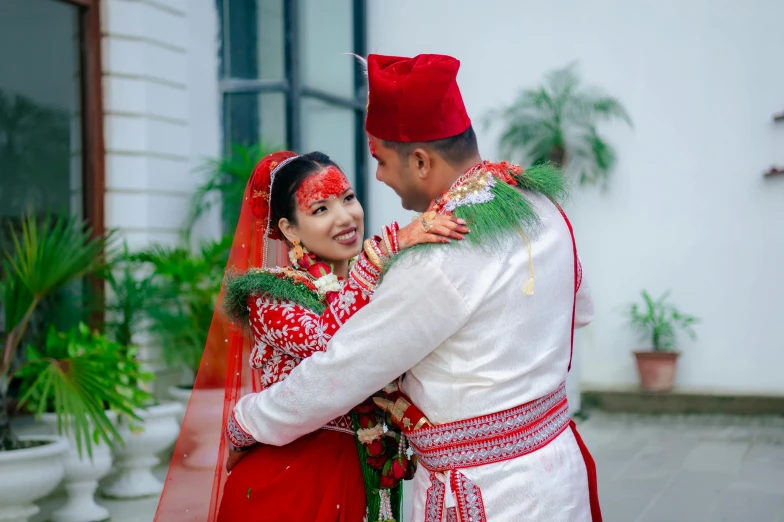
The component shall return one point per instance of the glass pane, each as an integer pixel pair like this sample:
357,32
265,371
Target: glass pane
326,34
253,39
330,129
40,127
40,131
250,118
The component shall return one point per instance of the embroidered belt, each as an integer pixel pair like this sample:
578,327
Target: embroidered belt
444,449
342,424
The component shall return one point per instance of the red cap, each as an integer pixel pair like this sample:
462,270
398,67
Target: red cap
414,99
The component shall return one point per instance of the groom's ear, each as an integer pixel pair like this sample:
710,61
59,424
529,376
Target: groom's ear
423,162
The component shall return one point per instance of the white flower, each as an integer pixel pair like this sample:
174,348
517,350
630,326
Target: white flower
368,435
327,283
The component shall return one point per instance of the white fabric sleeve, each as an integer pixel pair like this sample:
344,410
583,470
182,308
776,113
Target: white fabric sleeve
583,310
414,310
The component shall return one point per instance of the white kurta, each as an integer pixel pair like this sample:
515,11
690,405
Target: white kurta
472,343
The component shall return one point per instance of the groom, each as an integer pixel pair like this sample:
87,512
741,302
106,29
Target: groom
484,360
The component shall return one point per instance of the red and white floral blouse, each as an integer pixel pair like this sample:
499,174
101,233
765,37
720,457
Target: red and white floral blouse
285,332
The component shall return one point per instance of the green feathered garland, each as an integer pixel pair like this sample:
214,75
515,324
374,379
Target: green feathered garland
288,285
509,214
275,284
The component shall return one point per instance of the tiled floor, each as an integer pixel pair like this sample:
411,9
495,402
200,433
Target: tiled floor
651,469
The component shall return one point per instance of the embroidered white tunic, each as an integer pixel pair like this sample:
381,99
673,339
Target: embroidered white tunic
457,321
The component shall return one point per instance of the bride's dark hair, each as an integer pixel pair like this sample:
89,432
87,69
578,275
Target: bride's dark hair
287,181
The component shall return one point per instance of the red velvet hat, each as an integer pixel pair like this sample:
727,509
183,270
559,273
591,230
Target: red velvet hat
414,99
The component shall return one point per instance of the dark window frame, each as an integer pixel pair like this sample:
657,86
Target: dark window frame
296,92
93,146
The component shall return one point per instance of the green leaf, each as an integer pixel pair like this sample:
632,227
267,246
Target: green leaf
45,256
560,115
225,182
660,321
79,376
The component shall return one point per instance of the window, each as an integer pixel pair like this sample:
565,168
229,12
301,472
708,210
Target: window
287,81
51,124
51,152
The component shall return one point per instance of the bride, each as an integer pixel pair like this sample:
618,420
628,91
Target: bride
298,269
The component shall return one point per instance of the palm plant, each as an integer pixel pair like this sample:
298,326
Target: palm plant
130,292
226,181
43,259
80,374
181,296
557,122
659,321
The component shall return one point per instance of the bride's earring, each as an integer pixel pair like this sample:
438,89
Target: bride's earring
296,249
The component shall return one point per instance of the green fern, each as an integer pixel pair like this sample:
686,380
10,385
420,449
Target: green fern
43,258
557,122
79,375
658,321
225,183
179,296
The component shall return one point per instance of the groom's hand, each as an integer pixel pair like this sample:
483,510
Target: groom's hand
431,227
235,456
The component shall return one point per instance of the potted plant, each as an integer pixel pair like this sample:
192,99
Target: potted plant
225,183
184,291
557,122
98,379
131,297
658,323
42,259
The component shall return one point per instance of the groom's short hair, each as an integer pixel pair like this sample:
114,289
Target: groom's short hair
455,150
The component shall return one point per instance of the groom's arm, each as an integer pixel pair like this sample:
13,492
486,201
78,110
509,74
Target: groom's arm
414,310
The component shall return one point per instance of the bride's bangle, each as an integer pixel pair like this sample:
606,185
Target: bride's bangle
373,253
395,242
387,241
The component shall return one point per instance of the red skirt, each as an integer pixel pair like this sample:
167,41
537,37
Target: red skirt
316,478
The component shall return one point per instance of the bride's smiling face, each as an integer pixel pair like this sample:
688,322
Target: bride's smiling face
329,218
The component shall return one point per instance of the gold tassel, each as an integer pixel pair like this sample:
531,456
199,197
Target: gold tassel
529,287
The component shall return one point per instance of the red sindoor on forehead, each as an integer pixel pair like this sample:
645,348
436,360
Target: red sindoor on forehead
330,183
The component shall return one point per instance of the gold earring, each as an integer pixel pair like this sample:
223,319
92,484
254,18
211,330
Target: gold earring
297,249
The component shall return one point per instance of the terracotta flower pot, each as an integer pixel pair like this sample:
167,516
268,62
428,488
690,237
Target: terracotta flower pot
657,370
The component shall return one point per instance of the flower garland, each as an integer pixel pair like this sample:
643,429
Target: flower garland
383,449
324,280
385,457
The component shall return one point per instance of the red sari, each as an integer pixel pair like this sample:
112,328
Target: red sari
306,480
317,477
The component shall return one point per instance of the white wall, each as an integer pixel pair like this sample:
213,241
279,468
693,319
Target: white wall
161,119
688,208
161,112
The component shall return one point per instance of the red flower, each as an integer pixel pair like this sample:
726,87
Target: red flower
375,448
400,468
377,462
319,270
364,408
367,421
388,482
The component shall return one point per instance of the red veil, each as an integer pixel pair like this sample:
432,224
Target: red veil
194,483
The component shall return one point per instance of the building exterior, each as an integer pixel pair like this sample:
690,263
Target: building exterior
131,96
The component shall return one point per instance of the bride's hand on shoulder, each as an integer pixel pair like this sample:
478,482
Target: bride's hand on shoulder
431,227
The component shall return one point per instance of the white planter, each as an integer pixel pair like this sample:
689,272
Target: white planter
135,461
204,426
27,475
81,477
182,396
